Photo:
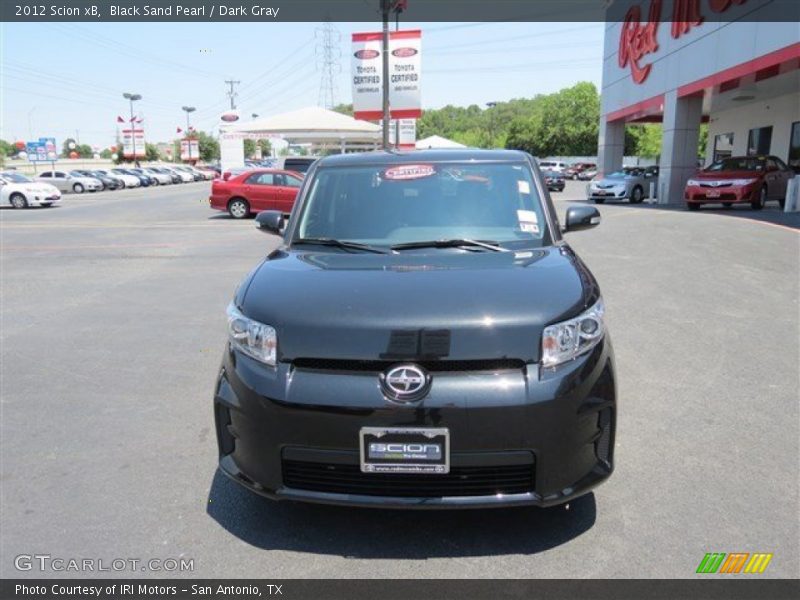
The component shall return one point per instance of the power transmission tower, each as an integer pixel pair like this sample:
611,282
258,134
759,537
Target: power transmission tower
232,94
328,52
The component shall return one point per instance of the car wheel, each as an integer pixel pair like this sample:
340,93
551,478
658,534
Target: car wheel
238,208
692,206
599,200
727,204
18,201
77,188
637,195
759,203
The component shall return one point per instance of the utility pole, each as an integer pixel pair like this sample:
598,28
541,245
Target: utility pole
232,94
132,98
328,53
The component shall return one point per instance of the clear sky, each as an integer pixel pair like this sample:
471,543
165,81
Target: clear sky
57,78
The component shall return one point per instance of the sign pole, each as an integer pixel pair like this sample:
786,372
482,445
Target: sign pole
385,8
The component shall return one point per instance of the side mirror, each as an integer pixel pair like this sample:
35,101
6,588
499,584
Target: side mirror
270,221
581,217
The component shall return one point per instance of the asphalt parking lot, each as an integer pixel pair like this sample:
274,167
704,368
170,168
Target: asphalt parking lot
113,326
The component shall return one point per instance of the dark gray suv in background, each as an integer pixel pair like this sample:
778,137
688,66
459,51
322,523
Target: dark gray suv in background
424,338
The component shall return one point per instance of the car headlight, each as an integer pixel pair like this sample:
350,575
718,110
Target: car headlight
255,339
693,182
567,340
743,181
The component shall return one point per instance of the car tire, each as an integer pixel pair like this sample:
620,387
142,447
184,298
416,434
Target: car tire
18,201
77,188
759,202
599,200
692,206
637,195
239,208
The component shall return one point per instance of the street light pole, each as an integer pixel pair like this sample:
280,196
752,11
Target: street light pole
187,110
386,6
132,98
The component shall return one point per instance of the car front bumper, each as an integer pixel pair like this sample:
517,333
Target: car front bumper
526,436
711,195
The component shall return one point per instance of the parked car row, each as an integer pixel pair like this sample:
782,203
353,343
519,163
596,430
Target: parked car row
79,181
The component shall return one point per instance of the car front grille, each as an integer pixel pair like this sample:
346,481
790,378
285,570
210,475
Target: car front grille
460,481
433,366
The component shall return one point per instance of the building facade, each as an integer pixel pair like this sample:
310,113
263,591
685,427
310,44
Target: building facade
686,62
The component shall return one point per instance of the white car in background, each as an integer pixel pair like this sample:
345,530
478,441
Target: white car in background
162,178
129,180
67,182
21,192
185,176
553,165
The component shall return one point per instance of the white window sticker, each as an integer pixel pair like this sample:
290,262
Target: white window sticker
528,221
524,186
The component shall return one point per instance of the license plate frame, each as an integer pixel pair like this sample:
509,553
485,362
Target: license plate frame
713,194
403,459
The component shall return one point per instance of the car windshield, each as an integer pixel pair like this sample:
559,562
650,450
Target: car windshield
16,178
743,163
618,175
387,205
77,174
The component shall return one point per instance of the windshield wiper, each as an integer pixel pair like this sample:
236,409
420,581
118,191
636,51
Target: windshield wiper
344,244
454,243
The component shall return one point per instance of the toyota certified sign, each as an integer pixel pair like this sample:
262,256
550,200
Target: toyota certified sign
405,75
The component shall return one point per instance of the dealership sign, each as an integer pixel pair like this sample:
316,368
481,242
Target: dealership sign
42,151
403,133
190,150
638,40
405,76
133,138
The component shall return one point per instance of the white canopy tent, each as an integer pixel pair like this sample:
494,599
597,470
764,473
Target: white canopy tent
314,125
437,141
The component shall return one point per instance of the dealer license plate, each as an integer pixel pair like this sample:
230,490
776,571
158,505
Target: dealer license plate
712,194
404,450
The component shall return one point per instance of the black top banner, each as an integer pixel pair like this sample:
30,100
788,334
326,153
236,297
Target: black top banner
411,10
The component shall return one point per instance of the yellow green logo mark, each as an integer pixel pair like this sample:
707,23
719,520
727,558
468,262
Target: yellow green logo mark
735,562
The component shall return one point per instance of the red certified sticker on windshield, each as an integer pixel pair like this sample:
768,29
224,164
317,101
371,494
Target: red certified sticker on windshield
403,172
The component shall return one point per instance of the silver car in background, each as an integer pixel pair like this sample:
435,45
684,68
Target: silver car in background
67,182
631,183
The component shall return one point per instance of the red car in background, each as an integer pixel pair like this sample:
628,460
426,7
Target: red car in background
751,179
256,190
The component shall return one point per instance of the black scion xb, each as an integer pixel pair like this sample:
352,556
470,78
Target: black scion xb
424,338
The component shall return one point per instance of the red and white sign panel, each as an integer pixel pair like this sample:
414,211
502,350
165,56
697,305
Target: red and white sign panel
405,75
133,138
190,150
407,130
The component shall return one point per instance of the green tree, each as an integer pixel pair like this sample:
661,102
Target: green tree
249,148
266,147
209,147
151,152
345,109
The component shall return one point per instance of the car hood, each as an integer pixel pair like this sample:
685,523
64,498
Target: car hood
613,180
35,188
725,175
367,307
